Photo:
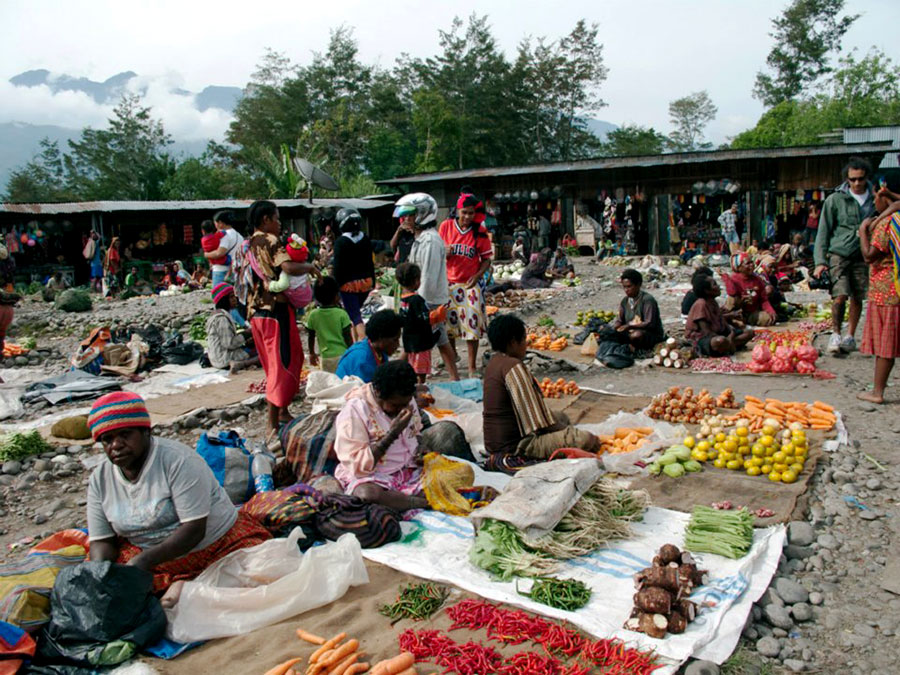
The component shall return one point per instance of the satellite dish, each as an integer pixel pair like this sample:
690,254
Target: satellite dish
314,176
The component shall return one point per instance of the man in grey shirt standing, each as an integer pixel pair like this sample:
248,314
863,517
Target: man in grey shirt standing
430,253
837,249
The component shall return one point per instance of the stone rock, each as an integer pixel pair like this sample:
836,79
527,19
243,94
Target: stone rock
6,480
801,612
827,541
869,515
794,552
790,591
801,533
74,449
46,475
40,519
770,597
41,465
873,484
702,668
816,598
794,665
21,361
12,467
768,646
779,632
865,630
61,459
778,616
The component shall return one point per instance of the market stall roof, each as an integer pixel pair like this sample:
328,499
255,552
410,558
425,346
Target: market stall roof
198,205
603,163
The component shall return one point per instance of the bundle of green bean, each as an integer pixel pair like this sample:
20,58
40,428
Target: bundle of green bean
567,594
416,601
725,533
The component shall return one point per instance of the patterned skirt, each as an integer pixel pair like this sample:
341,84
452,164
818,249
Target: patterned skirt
245,532
881,333
467,314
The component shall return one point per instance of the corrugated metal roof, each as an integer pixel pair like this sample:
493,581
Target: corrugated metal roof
645,161
199,205
870,134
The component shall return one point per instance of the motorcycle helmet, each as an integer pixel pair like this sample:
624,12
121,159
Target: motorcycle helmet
426,207
348,220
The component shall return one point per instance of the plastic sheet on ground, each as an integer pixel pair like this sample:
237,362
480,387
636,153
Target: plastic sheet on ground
440,552
664,434
327,391
466,413
262,585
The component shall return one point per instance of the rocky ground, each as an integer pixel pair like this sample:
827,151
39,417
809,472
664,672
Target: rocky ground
829,608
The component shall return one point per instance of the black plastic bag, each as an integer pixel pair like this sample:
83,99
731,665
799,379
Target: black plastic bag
176,350
101,614
614,354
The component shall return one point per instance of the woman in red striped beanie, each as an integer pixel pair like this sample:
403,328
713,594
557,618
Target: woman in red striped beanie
155,503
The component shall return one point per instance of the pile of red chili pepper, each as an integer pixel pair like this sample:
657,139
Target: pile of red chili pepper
516,627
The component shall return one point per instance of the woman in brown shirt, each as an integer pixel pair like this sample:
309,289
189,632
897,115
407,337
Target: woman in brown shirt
707,326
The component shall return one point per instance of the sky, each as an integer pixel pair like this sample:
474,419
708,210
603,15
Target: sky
656,50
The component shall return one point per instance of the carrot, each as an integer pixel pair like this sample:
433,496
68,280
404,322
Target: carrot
309,637
622,432
823,406
342,666
395,665
408,671
341,652
283,668
329,644
357,668
752,399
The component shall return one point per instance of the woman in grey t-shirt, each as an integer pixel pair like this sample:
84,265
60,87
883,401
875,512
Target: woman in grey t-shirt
155,504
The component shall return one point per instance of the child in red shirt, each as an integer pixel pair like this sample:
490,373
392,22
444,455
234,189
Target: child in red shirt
211,240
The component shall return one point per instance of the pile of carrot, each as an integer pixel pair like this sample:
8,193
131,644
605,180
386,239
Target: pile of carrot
339,656
546,343
555,389
817,415
624,439
10,349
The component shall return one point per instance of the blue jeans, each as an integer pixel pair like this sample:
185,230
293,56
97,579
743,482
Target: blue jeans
219,277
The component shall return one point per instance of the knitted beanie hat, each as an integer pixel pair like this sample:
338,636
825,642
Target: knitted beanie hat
118,410
220,290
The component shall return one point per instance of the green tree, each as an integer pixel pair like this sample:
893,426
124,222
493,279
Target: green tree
125,161
806,34
690,115
211,176
40,180
633,139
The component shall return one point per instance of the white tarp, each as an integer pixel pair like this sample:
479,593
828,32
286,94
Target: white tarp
441,553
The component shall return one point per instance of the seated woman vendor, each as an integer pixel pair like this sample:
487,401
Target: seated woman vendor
377,440
747,292
707,327
154,503
519,429
639,323
382,339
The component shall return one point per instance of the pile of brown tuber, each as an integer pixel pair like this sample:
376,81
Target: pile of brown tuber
661,605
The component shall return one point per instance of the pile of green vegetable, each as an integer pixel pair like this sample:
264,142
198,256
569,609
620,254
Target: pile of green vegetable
18,446
725,533
416,601
675,462
601,515
197,328
567,594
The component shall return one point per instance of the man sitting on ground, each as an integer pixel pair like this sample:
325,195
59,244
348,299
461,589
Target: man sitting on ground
519,429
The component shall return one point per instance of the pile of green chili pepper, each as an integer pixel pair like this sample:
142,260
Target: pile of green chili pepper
416,601
567,594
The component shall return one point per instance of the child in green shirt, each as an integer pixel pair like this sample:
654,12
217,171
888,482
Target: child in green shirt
329,324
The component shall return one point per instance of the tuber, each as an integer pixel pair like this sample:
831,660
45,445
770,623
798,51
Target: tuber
677,623
668,553
687,609
662,577
654,625
656,600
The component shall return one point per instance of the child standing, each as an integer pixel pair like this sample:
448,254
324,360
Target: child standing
419,336
329,324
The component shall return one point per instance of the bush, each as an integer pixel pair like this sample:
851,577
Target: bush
74,300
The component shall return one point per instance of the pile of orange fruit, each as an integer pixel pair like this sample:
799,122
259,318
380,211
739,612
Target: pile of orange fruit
557,389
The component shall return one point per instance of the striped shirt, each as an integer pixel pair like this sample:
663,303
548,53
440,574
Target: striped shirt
513,404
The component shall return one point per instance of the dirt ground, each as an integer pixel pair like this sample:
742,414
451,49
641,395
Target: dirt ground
844,562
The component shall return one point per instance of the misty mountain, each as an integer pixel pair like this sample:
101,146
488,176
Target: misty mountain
599,128
111,89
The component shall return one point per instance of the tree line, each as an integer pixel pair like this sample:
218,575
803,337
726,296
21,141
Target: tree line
467,106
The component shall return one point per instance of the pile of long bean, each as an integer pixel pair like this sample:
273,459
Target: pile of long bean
725,533
567,594
416,601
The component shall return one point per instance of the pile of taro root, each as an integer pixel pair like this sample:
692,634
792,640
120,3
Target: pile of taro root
661,604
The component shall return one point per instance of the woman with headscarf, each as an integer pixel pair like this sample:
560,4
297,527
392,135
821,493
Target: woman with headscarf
746,292
469,253
273,321
354,268
535,273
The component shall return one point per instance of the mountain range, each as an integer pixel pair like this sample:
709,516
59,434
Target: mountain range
20,140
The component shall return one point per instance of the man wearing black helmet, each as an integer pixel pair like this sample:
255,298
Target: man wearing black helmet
430,254
354,269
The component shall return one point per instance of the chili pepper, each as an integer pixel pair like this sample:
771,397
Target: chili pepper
416,601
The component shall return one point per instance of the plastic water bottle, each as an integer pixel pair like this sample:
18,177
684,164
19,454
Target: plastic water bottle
261,468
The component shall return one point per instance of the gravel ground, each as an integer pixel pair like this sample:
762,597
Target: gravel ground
827,610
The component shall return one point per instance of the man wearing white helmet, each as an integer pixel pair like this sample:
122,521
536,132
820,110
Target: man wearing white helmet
430,254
